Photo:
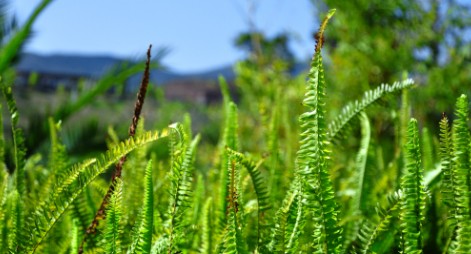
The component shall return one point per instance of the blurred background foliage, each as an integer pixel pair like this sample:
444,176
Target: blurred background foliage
374,42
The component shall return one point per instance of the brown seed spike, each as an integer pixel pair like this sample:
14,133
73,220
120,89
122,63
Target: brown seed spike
101,213
141,95
319,36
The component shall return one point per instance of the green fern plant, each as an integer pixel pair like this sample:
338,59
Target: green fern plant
412,213
232,241
47,214
313,156
370,232
289,222
263,199
19,151
358,203
183,153
144,238
114,231
192,196
207,228
230,140
351,112
460,175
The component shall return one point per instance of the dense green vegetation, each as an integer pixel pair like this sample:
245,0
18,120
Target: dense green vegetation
285,171
375,41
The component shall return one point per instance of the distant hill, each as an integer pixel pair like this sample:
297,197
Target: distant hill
95,66
75,65
67,69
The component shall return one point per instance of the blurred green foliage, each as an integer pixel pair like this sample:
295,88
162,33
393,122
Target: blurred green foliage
374,42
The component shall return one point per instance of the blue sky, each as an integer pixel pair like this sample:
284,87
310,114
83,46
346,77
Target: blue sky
199,33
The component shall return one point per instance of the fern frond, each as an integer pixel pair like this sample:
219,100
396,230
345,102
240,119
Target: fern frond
448,179
279,235
360,164
182,177
404,118
263,198
461,172
83,208
4,193
446,153
14,228
57,163
57,156
113,230
232,240
160,246
146,224
298,222
412,213
80,176
195,214
74,239
133,175
20,160
207,228
18,141
358,200
289,221
4,188
351,111
3,168
313,156
230,140
370,232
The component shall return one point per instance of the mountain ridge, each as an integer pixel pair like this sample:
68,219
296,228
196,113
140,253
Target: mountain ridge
94,66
